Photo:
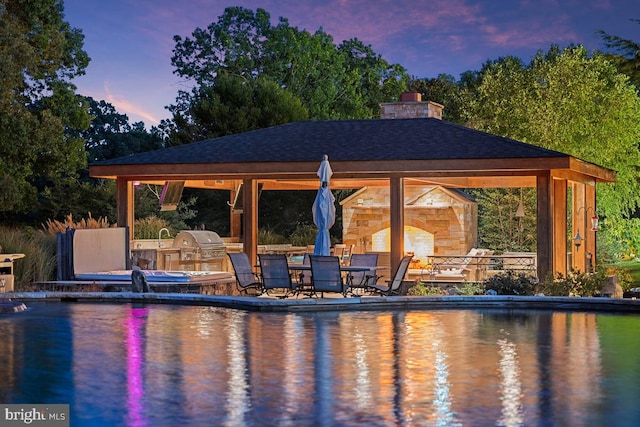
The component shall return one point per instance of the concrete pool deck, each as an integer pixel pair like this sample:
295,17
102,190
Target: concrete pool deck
269,304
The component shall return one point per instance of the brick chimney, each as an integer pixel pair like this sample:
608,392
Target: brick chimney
411,107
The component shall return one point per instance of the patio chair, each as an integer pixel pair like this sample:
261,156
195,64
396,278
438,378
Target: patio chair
470,267
246,278
360,279
274,271
339,250
326,275
346,259
393,286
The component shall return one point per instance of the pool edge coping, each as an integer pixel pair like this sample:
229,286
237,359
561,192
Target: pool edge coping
250,303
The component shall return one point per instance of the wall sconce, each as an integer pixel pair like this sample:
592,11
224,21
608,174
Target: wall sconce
577,241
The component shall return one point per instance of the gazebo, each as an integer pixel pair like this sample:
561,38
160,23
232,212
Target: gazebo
395,151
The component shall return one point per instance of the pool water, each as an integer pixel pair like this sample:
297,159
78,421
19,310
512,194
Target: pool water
168,365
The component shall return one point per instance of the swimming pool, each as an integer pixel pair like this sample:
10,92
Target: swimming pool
168,365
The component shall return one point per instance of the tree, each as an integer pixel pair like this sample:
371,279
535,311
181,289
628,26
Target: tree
374,80
39,54
110,135
333,82
230,105
499,228
569,101
446,91
628,57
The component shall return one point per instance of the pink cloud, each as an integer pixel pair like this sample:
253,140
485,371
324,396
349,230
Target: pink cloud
124,105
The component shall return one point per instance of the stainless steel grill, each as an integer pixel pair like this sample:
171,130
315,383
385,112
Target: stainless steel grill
200,250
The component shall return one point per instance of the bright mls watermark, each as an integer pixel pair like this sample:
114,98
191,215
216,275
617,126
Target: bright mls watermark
34,415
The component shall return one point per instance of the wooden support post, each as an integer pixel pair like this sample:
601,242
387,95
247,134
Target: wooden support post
544,189
396,202
125,204
559,243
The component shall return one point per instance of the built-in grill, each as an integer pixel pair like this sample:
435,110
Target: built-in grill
200,250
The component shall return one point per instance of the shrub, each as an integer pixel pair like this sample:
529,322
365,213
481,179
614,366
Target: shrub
424,290
304,235
573,284
269,237
39,248
469,288
149,227
52,227
511,283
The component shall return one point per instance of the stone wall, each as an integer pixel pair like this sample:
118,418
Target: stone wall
451,218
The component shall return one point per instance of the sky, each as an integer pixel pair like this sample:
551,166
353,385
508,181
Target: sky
131,42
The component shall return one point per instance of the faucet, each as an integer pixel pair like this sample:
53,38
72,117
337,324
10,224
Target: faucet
160,236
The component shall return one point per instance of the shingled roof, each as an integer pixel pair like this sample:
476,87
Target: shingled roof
346,140
357,149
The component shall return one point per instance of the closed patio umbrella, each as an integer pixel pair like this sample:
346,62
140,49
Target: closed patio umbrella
324,209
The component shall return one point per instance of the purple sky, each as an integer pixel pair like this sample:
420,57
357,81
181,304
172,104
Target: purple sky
130,42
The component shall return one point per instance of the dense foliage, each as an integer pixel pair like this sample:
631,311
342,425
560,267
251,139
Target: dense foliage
627,57
110,134
230,105
574,102
570,101
39,54
332,82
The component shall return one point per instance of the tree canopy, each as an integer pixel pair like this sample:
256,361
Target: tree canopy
332,82
228,105
570,101
627,57
39,54
110,134
445,90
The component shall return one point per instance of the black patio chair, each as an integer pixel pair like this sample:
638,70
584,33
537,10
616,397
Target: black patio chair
246,278
393,286
274,271
360,279
326,275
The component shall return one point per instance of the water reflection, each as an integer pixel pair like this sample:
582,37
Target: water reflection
323,367
163,365
294,363
363,387
511,388
442,389
135,330
237,395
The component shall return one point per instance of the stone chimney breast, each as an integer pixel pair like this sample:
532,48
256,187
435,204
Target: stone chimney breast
411,107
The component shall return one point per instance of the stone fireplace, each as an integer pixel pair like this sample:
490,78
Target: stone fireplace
438,221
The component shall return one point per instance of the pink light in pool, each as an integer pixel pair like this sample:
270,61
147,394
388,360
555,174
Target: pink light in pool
135,325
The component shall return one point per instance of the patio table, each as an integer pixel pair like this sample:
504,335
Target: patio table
343,268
